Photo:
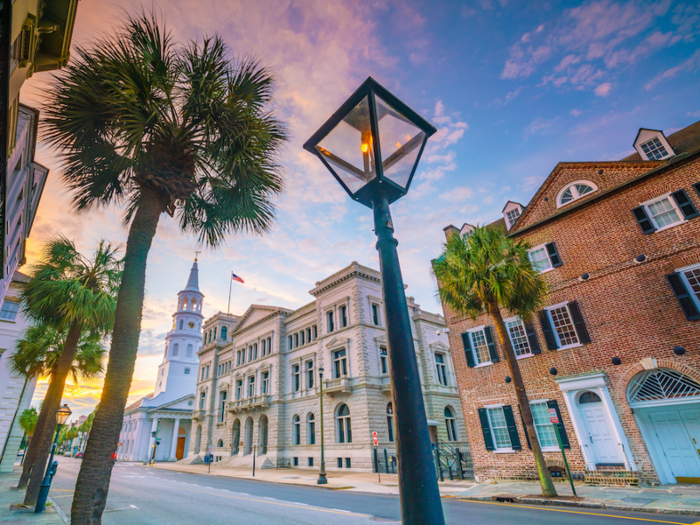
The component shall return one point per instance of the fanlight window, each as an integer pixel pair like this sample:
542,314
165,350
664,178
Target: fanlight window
661,385
575,191
589,397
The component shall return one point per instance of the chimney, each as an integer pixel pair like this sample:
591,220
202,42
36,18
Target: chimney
449,231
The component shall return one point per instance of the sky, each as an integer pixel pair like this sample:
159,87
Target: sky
513,87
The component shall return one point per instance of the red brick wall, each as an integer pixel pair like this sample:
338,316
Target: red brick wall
629,310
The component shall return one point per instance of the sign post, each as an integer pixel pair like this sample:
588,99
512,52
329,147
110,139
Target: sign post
554,419
375,440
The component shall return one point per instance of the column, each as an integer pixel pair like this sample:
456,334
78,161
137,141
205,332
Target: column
152,440
173,445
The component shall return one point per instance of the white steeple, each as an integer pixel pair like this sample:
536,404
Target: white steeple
177,374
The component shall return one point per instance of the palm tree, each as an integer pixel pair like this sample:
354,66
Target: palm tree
487,271
37,355
27,420
185,130
71,293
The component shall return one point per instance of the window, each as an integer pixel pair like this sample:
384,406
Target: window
263,348
451,424
480,346
202,398
202,374
295,461
340,462
181,324
654,150
265,383
224,333
691,278
215,332
343,316
296,430
512,216
384,360
296,379
348,464
251,386
9,310
543,426
340,363
301,337
239,389
564,329
544,257
255,351
310,462
269,345
664,212
222,406
296,340
575,191
390,421
176,349
343,424
309,374
329,318
518,337
189,350
441,367
315,332
308,338
187,371
208,370
499,429
311,429
289,342
375,314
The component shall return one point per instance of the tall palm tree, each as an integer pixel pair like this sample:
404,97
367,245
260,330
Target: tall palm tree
182,129
77,294
487,271
37,355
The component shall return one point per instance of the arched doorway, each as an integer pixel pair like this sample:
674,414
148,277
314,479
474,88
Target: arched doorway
248,444
666,404
262,430
198,439
600,439
236,438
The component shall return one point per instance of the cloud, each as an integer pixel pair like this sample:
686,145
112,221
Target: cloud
575,112
691,64
538,125
458,194
603,90
530,183
694,114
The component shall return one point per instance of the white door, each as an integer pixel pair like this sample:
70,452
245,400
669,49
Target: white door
601,442
678,431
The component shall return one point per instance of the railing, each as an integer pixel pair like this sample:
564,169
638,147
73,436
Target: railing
249,403
452,461
340,385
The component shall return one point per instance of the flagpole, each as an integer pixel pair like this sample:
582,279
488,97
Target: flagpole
230,284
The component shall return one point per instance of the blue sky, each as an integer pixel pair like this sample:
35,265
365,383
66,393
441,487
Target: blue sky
513,86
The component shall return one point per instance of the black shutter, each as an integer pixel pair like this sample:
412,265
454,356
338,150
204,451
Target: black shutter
683,297
580,326
697,188
527,436
492,346
547,330
486,429
512,429
562,431
468,349
643,220
685,204
532,337
553,254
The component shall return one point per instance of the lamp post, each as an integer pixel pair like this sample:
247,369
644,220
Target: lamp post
322,474
62,415
372,146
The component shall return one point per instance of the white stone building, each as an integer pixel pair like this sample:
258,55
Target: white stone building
15,391
258,380
163,417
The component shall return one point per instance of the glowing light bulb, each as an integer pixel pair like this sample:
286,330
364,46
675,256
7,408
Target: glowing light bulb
398,144
408,137
365,147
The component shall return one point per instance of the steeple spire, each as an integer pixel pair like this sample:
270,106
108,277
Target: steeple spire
193,281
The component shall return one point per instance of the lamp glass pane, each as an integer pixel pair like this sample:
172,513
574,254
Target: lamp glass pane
400,142
348,148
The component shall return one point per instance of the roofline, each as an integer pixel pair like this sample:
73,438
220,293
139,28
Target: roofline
647,129
514,202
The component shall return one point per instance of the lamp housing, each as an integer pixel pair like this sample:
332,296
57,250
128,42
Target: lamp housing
62,414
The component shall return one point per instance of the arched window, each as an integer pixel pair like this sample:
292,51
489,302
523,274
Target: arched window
311,429
451,424
224,333
209,340
236,438
193,304
296,430
189,350
575,191
262,446
198,439
390,421
184,304
248,448
588,397
220,443
182,323
343,425
662,385
176,349
215,332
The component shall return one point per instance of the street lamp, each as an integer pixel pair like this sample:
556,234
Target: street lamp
372,146
62,415
322,474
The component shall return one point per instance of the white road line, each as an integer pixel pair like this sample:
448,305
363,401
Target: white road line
134,507
304,504
343,510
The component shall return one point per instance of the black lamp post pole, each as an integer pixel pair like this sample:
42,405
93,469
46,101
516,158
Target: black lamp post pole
420,496
48,477
322,474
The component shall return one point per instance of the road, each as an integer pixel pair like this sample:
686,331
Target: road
141,495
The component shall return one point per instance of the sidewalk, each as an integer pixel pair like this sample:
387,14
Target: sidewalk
51,516
669,499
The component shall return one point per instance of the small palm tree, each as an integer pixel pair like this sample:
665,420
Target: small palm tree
487,271
161,128
27,420
74,297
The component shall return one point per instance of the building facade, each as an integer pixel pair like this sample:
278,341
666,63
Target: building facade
258,391
159,425
616,349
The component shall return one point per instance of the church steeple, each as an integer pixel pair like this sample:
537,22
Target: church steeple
193,281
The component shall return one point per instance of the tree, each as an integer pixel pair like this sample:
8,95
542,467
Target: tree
69,292
182,129
487,271
27,420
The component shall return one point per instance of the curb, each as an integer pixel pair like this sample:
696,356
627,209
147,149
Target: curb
59,511
580,504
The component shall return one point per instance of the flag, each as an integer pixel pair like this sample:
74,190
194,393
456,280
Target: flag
236,278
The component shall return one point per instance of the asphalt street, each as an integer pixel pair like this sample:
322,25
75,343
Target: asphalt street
141,495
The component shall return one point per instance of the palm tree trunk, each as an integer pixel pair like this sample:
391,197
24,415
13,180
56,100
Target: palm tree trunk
548,490
96,469
33,444
52,402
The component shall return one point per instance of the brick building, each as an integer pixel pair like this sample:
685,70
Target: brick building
618,244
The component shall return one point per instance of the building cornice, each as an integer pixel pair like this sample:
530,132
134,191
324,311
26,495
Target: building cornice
355,269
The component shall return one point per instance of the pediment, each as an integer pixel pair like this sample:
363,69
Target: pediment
180,403
439,346
254,313
338,342
223,386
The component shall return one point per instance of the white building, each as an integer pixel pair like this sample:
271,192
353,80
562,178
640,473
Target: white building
163,417
15,391
258,380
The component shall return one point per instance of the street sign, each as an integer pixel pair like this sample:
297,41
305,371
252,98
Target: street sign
374,438
553,418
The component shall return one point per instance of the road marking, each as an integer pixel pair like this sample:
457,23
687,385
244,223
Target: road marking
578,512
134,507
304,504
295,505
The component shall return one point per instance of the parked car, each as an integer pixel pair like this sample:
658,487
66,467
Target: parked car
79,455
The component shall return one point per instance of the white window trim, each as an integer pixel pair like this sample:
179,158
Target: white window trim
542,246
493,434
681,274
554,330
473,351
551,448
510,320
561,191
675,207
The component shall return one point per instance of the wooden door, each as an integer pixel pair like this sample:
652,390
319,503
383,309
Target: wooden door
180,451
601,439
676,443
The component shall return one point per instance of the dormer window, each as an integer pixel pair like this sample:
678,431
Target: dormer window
575,191
651,144
511,212
654,149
